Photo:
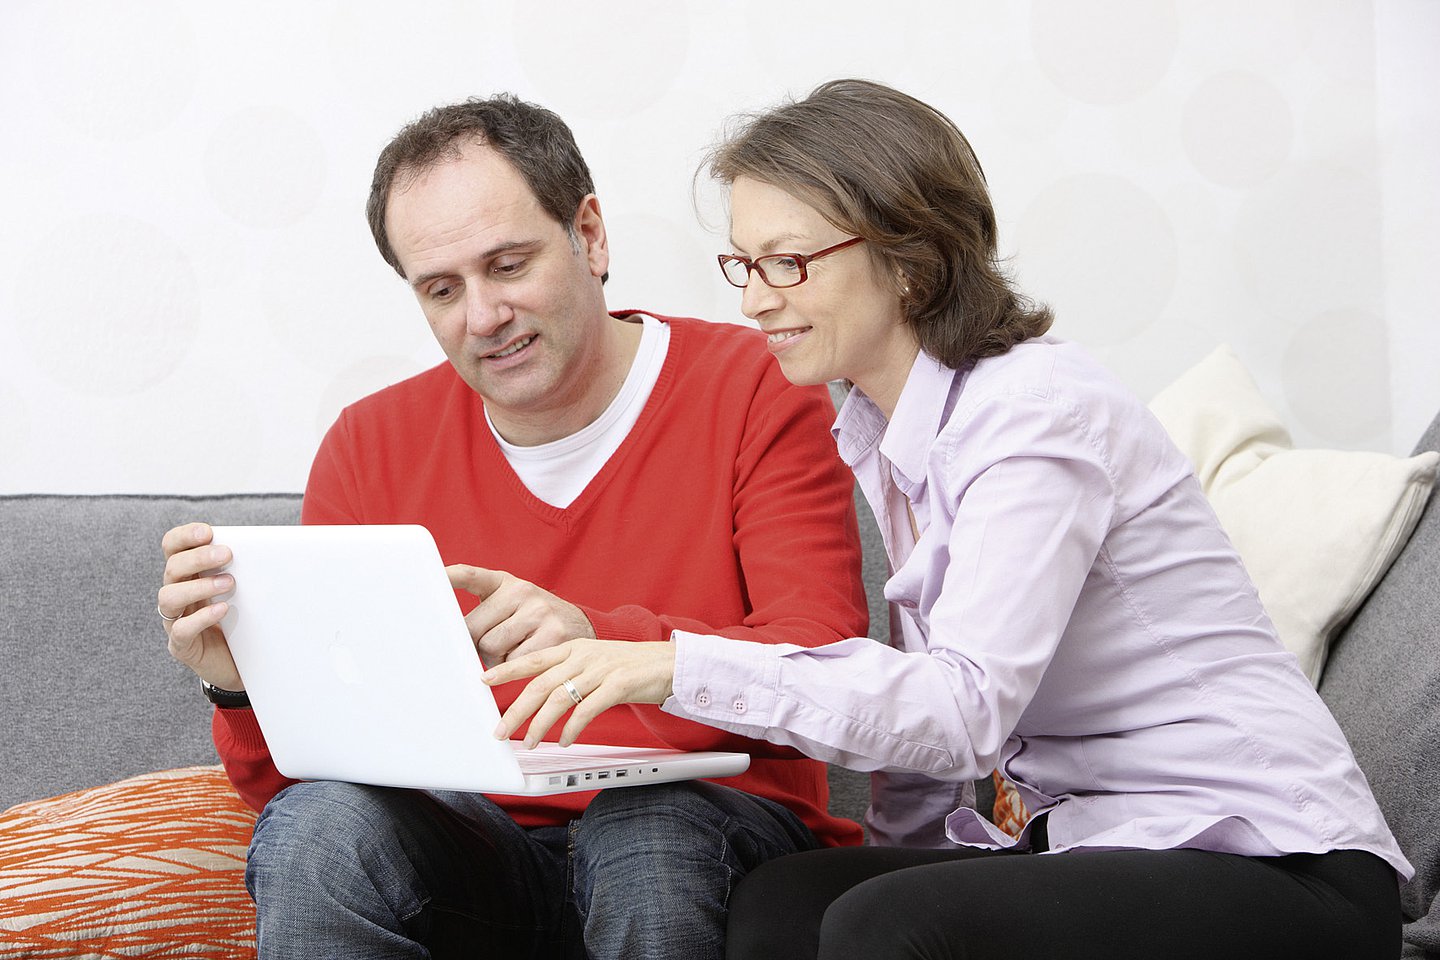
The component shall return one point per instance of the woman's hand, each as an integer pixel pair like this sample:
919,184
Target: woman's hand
602,672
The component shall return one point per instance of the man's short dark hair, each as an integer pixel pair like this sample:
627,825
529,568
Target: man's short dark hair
537,143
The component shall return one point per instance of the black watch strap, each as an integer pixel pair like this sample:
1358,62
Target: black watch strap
225,699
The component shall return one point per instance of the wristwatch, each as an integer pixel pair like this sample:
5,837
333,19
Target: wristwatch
225,699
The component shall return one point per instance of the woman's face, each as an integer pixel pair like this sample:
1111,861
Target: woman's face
845,321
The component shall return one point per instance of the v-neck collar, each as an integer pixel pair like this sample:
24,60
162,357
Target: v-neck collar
569,515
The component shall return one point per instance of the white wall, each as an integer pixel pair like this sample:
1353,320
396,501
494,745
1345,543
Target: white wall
188,292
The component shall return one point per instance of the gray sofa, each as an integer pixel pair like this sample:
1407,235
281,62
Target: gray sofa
88,694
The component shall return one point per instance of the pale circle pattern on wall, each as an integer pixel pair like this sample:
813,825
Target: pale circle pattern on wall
114,77
1339,119
1338,36
1104,51
393,64
359,380
332,309
1102,252
265,166
107,305
15,431
799,48
1309,242
240,403
663,265
1336,373
1235,32
1024,104
1238,129
579,77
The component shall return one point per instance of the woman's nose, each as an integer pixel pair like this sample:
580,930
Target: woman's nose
758,298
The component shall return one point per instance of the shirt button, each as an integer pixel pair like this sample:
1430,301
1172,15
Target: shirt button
739,706
703,698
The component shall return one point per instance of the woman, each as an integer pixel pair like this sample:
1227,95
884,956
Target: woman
1070,613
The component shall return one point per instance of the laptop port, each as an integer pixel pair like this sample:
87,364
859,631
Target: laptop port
571,779
603,775
620,773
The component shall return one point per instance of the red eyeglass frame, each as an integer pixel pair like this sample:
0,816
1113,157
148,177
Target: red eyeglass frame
802,260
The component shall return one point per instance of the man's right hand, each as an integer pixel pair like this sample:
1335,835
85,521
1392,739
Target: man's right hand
515,616
188,594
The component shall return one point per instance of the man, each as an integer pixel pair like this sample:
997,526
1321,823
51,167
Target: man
586,474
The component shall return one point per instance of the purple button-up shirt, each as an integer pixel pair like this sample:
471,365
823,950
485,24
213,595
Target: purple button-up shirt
1072,614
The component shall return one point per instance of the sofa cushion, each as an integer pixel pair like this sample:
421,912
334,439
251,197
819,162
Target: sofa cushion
136,868
1383,685
1317,529
88,693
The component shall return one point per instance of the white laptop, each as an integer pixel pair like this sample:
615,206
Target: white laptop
360,667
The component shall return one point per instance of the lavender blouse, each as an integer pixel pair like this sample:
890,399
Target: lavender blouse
1072,614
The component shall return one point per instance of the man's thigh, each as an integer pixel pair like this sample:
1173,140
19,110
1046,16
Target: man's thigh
663,826
655,865
346,862
659,863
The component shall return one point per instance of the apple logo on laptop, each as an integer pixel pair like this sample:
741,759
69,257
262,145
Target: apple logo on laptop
343,662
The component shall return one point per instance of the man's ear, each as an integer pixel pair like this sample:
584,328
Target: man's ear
589,227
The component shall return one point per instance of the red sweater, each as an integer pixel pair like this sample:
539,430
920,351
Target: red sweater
725,510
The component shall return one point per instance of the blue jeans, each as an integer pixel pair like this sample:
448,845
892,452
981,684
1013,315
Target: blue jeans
345,870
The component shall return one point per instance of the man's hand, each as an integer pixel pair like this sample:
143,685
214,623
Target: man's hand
515,617
193,628
602,672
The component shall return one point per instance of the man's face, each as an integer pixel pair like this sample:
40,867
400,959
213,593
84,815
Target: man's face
514,300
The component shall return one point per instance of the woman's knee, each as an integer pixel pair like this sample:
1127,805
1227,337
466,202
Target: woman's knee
777,909
891,917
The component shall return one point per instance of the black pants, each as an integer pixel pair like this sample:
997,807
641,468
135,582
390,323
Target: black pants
878,903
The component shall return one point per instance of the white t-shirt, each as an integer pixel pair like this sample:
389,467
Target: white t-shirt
557,472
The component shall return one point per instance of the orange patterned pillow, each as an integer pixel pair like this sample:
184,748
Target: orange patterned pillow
128,869
1009,813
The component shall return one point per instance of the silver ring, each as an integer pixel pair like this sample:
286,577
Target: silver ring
165,618
575,695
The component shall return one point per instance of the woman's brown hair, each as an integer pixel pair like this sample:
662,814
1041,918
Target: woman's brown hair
882,165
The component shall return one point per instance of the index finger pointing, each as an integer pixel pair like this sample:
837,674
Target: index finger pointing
476,580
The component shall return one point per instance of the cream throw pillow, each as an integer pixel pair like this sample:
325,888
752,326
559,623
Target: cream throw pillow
1317,529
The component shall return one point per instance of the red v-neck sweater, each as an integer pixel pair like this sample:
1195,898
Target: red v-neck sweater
725,510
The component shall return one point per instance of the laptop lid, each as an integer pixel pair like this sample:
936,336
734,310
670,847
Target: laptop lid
360,667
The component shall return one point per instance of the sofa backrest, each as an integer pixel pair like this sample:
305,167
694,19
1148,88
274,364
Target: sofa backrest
1382,683
88,693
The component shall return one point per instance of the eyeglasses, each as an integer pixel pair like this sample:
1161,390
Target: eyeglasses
776,269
